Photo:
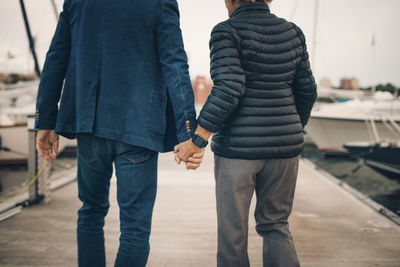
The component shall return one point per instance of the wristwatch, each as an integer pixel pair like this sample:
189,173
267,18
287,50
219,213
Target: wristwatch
199,141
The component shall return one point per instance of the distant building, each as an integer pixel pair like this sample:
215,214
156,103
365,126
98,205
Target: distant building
325,83
355,85
345,84
3,77
349,84
9,78
201,88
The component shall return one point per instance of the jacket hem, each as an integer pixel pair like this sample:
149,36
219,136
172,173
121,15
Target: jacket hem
155,145
228,153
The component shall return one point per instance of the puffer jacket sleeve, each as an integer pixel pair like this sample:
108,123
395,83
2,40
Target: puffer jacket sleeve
228,77
304,87
53,74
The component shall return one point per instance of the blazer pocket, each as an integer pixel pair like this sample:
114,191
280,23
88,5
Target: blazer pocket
157,117
66,92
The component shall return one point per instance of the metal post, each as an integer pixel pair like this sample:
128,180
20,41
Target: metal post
31,42
32,162
40,190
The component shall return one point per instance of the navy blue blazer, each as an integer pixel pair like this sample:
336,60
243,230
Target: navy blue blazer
125,71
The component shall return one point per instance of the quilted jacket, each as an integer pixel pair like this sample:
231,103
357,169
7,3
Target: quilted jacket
263,90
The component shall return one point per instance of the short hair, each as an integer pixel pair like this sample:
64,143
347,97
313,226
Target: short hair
253,1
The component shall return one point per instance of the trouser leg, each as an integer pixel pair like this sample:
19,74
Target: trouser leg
136,170
94,173
275,187
235,182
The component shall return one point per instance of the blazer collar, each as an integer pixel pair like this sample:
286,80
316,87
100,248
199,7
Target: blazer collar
250,7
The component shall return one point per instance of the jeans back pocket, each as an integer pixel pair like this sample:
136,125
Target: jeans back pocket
135,154
86,147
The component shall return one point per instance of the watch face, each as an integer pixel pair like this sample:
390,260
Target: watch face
199,141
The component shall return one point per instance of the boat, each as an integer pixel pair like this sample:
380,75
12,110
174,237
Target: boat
16,105
340,94
383,157
369,120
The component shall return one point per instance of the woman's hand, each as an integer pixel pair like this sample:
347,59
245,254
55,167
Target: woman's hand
190,154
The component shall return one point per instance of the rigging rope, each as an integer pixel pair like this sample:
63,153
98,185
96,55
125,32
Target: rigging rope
26,188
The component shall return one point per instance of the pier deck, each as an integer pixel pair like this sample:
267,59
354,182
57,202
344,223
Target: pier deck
330,226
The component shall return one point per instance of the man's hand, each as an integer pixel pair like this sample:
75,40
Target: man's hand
185,150
47,144
188,152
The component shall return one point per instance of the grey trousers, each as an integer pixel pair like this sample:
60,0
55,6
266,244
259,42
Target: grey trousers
274,181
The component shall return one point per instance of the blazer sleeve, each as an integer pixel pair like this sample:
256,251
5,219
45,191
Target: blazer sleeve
228,77
304,87
175,69
53,74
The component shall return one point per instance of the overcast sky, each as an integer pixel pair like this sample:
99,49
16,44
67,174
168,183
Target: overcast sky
345,30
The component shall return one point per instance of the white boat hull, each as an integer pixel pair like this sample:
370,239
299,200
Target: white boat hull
16,139
332,133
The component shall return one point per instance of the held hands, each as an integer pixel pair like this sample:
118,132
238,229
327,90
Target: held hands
189,153
47,144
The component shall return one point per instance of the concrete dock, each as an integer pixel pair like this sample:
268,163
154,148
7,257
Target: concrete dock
330,226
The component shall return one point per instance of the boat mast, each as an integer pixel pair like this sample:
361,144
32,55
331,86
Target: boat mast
31,42
53,4
316,10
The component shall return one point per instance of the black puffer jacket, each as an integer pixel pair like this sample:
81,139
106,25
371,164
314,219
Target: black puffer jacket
264,89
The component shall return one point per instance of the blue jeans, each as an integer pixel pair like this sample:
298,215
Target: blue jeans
136,171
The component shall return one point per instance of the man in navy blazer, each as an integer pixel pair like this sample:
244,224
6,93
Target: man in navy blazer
127,95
